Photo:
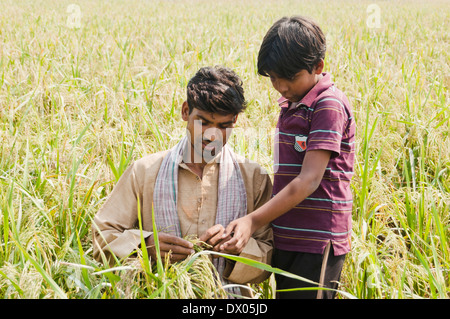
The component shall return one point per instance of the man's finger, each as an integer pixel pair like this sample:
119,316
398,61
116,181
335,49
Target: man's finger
229,230
217,238
219,242
176,249
212,231
229,244
177,257
175,240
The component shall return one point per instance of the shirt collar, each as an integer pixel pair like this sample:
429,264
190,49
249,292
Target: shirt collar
323,84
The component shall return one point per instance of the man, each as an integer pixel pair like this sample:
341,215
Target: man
196,188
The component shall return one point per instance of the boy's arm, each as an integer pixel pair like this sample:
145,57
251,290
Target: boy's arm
313,168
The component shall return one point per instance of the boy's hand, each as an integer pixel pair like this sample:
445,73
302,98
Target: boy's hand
241,230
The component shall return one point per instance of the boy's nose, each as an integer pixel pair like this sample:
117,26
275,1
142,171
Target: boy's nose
281,87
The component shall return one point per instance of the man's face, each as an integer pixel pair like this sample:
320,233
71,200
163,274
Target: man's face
208,132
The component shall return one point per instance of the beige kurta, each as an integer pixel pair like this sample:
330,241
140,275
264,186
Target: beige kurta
197,204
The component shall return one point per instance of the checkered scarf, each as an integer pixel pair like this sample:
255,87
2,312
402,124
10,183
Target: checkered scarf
232,197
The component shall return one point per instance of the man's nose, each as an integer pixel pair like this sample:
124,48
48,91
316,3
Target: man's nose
211,134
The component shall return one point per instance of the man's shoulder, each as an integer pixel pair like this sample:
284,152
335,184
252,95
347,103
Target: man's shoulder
249,166
150,161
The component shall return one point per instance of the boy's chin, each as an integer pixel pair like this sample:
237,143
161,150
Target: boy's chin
293,99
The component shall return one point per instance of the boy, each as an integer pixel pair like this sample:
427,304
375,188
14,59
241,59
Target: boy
311,207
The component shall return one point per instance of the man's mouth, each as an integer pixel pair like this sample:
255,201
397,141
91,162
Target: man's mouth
209,145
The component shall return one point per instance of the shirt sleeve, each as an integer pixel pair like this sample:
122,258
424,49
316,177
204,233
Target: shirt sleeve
114,227
259,246
328,125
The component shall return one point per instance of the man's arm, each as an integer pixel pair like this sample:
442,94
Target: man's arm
115,227
296,191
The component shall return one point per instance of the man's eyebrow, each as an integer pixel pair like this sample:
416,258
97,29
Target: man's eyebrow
226,123
203,118
208,121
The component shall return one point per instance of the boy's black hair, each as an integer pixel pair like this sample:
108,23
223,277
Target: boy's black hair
291,45
217,90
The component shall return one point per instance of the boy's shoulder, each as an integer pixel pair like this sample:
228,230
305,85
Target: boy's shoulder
324,88
332,93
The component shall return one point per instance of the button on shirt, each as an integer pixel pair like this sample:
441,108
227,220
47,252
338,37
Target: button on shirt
322,120
197,205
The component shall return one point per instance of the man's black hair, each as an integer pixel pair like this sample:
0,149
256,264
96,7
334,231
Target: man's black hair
217,90
291,45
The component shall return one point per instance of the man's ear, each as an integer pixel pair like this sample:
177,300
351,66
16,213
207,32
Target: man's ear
185,111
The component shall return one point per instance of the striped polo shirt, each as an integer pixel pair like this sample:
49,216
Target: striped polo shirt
322,120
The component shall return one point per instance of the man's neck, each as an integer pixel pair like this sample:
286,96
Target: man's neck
196,168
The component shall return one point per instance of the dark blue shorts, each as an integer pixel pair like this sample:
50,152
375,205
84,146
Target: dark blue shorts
323,269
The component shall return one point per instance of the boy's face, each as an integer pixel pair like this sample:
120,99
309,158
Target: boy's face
208,132
296,88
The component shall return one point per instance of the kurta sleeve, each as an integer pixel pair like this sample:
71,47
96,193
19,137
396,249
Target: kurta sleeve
260,245
115,228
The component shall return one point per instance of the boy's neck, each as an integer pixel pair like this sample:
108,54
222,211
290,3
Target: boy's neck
318,77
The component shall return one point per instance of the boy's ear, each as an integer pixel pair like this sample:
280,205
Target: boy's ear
319,67
185,111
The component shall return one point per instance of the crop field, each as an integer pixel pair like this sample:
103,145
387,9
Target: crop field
87,87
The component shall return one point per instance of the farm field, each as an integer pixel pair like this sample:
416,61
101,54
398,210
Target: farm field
87,87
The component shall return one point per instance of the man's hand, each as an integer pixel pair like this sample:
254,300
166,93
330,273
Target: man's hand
240,230
214,237
176,247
